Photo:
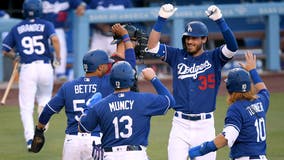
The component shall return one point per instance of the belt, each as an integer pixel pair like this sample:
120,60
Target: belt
193,117
257,157
37,61
123,148
80,134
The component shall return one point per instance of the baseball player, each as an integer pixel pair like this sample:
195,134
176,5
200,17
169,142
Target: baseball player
196,79
124,116
56,11
245,130
74,94
30,38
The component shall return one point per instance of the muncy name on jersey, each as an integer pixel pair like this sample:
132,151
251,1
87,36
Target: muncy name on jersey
121,105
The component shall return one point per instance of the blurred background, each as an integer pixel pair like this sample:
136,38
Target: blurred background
253,31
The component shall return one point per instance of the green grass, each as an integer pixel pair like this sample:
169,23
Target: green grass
13,144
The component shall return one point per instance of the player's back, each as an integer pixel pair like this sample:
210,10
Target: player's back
125,117
252,127
74,94
31,39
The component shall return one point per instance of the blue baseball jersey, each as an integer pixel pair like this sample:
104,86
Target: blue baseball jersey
73,95
196,80
125,117
31,40
56,11
249,118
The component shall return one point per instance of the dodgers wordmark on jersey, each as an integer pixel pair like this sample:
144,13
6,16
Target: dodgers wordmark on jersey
195,78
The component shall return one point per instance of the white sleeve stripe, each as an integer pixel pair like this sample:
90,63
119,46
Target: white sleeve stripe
51,108
231,134
168,104
232,125
155,49
83,126
7,46
227,53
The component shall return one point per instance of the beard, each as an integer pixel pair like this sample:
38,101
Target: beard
193,49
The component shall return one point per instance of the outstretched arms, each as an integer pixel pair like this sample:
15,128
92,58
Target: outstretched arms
231,47
166,11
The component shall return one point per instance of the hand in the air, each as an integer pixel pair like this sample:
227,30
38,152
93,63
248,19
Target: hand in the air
250,61
118,29
167,10
148,74
214,13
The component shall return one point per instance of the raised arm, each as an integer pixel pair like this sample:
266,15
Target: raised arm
250,66
166,11
231,47
150,75
129,54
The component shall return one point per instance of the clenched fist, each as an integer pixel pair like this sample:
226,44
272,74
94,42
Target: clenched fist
167,10
213,12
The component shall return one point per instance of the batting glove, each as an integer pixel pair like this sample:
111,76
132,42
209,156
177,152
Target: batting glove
167,10
214,13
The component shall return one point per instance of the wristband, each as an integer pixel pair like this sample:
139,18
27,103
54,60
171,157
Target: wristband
125,38
255,76
159,24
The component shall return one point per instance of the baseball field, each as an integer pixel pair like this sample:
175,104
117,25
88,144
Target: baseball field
13,144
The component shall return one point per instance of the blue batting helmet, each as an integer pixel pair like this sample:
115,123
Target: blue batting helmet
94,58
194,29
32,8
238,80
122,75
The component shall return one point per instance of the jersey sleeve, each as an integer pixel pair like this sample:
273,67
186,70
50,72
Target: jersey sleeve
155,104
89,121
50,29
233,124
58,101
9,41
233,118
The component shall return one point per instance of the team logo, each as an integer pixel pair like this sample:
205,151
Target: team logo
185,71
244,87
85,66
189,29
117,84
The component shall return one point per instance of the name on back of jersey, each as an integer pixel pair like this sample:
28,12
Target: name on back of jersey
254,108
85,88
121,105
30,28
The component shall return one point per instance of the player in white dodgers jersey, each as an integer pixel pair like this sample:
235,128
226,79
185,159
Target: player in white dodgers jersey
245,122
196,79
56,11
124,116
30,38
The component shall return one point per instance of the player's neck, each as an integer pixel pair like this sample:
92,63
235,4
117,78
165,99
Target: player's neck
122,90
